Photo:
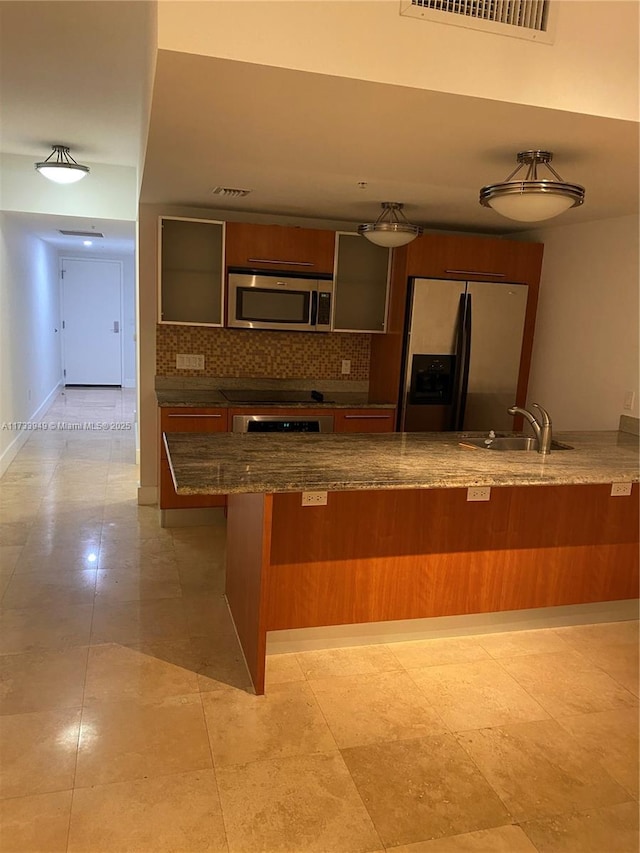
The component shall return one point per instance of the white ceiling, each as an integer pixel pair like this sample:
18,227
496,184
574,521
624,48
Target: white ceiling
74,73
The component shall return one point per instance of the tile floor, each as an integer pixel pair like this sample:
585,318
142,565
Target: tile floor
127,723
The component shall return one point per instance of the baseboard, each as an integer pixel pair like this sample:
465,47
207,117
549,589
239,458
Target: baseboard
147,495
372,633
191,517
19,441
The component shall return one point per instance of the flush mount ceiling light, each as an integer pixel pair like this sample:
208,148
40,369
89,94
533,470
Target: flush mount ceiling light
532,199
391,228
63,169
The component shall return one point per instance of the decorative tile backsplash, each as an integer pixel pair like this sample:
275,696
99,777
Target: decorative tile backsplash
244,353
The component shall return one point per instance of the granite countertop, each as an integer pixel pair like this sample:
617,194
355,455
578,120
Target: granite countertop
200,397
226,463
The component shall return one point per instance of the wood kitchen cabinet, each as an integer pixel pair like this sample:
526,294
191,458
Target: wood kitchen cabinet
461,258
365,420
361,283
191,271
279,248
187,419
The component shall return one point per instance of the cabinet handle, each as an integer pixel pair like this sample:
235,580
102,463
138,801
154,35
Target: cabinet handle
272,261
367,417
477,272
194,416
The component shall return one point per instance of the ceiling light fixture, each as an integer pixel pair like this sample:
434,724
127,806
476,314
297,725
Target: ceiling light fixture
532,199
63,169
391,228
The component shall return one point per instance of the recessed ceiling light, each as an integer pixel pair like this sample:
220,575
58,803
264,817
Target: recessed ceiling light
87,243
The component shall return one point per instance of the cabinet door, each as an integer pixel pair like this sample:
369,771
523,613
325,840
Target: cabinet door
361,284
191,269
365,420
279,247
185,419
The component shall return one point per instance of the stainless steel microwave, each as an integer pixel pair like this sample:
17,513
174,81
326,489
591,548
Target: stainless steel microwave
279,302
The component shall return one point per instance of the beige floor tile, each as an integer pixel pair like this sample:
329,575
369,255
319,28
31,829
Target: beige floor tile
37,824
207,615
502,839
584,637
476,695
121,741
9,557
419,653
34,628
40,681
13,532
364,709
244,727
620,661
117,673
114,585
538,770
612,829
567,683
204,577
416,790
516,643
355,660
139,621
170,814
282,669
58,559
38,752
611,738
303,804
220,664
46,589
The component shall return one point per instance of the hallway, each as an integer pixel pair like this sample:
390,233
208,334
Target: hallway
128,725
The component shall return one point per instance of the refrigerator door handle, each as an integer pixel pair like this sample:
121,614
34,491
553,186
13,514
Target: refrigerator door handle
459,365
466,361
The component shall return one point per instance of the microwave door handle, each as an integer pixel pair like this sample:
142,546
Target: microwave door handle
314,307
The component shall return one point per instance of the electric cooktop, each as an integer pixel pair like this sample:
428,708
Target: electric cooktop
237,395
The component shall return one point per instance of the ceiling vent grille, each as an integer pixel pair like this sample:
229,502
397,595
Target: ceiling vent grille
528,19
230,192
81,233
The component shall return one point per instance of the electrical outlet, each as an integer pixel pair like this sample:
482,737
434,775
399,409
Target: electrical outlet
479,493
629,399
189,362
620,490
346,366
314,499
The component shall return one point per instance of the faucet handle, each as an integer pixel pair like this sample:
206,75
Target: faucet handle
546,418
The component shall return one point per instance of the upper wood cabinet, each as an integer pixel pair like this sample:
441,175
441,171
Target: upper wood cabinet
279,247
191,271
361,281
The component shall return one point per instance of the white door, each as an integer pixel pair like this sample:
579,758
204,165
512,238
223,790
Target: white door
92,321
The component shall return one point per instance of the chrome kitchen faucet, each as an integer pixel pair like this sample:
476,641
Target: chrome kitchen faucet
541,427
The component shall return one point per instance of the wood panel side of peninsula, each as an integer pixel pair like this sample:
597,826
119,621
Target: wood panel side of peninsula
372,556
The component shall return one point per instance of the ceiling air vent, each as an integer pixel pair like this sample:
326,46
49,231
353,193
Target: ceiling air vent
81,233
528,19
230,192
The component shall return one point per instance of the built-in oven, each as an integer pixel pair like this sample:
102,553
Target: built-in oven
277,301
282,423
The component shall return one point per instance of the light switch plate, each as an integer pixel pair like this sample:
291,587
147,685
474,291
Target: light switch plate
314,499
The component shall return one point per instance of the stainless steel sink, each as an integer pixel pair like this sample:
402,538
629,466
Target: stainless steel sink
517,442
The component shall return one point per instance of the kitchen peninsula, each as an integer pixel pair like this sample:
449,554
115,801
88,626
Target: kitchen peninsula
398,538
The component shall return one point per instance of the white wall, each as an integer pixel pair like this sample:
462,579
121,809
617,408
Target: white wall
591,68
30,362
586,352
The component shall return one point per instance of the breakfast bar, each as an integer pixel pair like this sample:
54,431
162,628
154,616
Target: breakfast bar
400,537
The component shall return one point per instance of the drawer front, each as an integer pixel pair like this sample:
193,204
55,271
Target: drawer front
185,419
366,420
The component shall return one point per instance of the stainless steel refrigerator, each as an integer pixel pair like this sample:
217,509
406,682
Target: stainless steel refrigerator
462,351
